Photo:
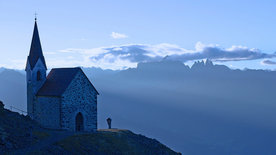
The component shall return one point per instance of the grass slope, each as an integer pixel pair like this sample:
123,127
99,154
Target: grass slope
105,142
21,135
17,131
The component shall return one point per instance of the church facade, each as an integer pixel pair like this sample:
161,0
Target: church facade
63,99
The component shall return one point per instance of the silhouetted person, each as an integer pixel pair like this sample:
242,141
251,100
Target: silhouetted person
109,122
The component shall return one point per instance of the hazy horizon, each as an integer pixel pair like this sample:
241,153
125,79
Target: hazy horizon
189,64
209,109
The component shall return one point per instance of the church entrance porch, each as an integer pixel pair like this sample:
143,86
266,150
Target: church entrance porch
79,122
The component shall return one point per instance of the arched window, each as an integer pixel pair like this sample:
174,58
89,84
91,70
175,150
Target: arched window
38,76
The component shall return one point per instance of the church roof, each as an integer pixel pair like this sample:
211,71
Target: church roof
36,50
58,80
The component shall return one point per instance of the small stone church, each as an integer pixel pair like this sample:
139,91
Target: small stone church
64,99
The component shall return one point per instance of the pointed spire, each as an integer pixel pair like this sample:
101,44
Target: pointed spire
36,50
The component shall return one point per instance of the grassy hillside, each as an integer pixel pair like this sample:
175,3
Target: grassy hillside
18,131
106,142
20,135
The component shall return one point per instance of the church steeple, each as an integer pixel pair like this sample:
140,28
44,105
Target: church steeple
36,50
35,71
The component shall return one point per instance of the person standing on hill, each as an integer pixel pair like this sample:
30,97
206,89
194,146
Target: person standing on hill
109,122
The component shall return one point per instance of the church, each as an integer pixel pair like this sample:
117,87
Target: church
63,99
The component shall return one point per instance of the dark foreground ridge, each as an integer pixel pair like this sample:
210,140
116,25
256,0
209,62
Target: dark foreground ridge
105,142
20,135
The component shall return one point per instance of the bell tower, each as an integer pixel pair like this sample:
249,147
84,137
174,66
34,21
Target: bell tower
35,71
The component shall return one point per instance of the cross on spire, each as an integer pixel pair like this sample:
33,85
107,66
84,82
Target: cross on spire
35,16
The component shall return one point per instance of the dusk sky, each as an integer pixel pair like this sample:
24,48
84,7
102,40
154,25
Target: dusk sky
119,34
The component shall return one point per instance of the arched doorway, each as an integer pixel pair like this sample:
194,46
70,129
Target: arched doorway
79,122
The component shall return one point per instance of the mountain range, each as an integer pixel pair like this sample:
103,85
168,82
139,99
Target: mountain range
202,109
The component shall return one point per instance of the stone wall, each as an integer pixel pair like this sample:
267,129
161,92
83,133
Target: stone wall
47,111
81,97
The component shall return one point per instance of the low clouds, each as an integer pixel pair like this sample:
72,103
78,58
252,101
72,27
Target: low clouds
145,53
116,35
268,62
124,56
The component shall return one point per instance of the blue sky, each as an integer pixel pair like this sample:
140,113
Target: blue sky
80,33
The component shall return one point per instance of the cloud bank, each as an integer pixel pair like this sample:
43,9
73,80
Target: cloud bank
268,62
124,56
142,53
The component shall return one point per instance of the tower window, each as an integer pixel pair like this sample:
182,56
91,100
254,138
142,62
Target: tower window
38,76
